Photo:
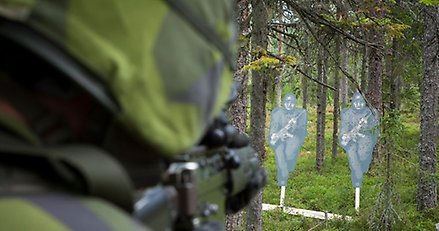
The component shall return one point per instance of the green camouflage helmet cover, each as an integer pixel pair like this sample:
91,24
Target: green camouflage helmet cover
169,80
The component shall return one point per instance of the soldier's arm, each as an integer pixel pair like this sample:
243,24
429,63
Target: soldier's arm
274,121
302,121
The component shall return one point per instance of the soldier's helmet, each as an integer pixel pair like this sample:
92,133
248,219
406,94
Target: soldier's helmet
165,63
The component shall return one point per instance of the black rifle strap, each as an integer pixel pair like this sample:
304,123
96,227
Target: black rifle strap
94,171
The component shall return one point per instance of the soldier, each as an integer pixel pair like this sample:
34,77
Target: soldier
358,136
82,79
288,129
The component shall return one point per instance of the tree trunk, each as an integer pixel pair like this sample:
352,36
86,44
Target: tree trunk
305,87
258,103
344,82
279,78
395,76
427,194
336,99
281,73
238,109
376,68
321,90
355,65
271,88
321,110
363,86
306,70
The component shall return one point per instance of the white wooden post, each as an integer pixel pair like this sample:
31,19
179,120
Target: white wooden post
357,199
282,196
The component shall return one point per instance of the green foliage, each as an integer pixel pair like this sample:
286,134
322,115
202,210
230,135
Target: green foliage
267,61
396,30
429,2
411,98
292,85
243,40
263,62
393,29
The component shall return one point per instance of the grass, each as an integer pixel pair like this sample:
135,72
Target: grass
330,189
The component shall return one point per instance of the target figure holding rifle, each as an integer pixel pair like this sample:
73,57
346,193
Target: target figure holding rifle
358,136
286,136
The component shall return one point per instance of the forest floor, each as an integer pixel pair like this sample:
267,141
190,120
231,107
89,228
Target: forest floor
330,190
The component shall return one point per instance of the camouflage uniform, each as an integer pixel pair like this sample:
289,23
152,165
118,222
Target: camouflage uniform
167,77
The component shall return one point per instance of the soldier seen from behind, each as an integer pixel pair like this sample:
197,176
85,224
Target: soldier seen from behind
110,116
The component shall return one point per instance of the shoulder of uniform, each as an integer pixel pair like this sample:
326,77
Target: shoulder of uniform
346,110
275,111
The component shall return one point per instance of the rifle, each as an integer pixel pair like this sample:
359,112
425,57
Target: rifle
354,132
283,133
203,185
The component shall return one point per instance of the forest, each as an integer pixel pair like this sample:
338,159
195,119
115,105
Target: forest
324,51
